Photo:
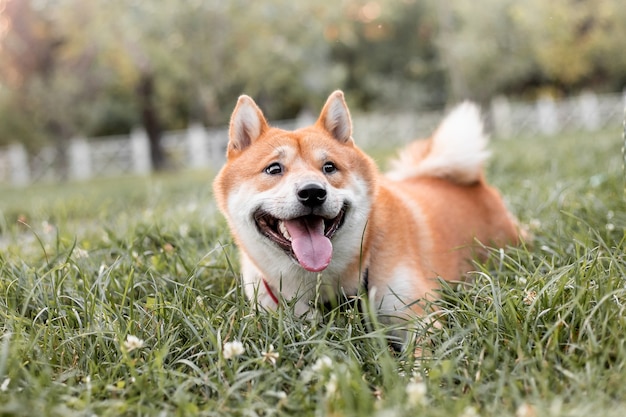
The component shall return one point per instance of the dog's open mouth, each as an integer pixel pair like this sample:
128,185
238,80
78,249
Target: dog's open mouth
306,238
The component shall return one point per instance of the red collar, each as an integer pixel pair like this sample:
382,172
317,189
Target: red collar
270,292
365,281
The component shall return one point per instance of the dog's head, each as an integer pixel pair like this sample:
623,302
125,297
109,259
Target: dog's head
295,193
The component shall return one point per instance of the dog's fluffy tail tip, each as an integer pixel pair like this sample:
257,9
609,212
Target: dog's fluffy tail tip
456,151
462,127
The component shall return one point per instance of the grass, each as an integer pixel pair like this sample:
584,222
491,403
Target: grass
83,266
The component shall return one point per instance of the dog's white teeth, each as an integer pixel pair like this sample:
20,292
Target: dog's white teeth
283,230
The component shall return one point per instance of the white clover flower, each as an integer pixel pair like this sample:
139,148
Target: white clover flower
133,342
5,385
534,224
233,349
80,253
322,364
318,369
47,227
271,355
525,410
416,393
470,411
530,297
331,386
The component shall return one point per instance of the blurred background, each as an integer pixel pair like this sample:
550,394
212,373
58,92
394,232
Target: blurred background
108,87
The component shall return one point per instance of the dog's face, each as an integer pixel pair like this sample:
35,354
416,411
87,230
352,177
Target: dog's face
299,197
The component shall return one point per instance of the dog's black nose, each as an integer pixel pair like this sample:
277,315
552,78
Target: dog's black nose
312,194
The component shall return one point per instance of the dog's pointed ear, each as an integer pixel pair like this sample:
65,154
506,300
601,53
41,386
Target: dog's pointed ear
335,118
247,123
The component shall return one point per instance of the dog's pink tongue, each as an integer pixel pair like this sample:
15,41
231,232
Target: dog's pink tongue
313,250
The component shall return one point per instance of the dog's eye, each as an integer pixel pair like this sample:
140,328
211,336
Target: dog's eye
274,169
329,168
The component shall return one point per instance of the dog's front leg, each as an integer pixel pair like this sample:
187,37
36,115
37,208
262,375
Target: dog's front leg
268,294
409,318
255,286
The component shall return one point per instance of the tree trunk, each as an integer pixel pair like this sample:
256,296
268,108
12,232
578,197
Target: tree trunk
150,120
59,136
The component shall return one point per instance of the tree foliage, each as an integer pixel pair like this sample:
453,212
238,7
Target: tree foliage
72,67
575,44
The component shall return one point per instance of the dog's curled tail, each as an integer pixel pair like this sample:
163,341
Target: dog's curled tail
456,151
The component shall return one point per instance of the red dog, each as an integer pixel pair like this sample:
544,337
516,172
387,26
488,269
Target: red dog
308,207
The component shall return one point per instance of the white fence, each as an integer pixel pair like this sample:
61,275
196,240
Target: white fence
199,148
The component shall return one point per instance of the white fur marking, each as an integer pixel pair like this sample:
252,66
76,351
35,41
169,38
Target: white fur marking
394,299
246,124
458,149
338,120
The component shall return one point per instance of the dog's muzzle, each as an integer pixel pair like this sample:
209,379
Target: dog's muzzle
307,239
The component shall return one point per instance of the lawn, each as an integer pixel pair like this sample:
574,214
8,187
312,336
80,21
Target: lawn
120,297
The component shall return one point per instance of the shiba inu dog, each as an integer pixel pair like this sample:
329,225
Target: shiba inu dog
309,209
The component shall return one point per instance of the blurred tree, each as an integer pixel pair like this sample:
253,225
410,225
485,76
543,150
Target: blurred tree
575,43
482,49
98,67
528,47
49,72
34,91
276,52
389,53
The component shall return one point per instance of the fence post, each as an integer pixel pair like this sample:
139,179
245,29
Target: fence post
80,159
501,116
218,140
197,145
140,147
547,116
589,111
18,162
